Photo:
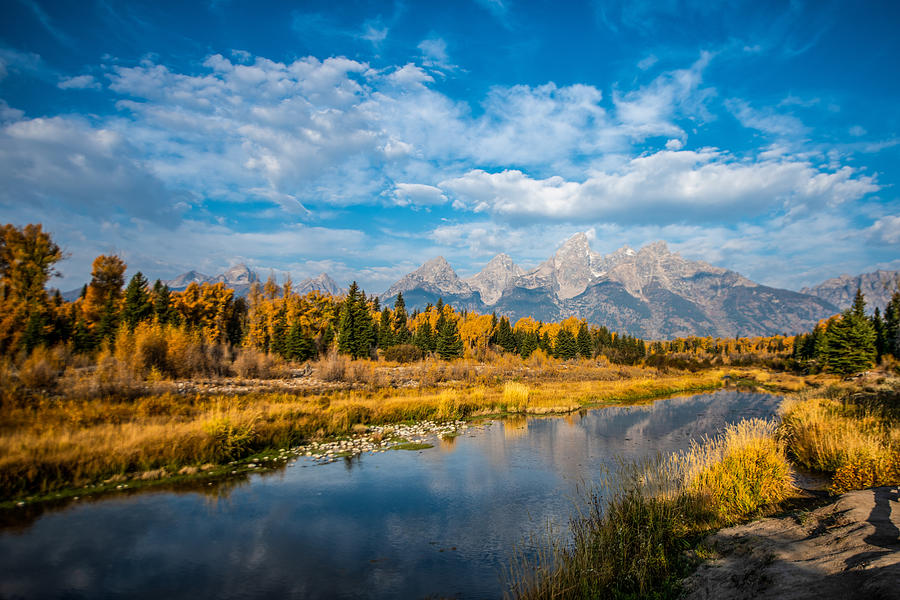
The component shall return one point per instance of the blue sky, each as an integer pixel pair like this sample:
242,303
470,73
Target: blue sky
363,138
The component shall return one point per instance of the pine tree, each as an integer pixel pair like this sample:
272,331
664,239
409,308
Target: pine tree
424,338
878,326
109,322
355,329
385,330
528,343
892,326
545,344
565,347
505,337
585,342
82,338
162,301
449,344
138,305
850,340
278,339
35,333
298,345
401,326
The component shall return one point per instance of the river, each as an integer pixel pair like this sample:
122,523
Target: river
439,522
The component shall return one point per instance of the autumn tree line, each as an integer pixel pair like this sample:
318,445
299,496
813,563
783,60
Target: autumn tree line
204,326
851,341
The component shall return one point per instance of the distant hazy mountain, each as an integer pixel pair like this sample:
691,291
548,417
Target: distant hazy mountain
878,287
322,283
239,278
652,292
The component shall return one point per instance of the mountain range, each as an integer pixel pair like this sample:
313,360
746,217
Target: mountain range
240,278
878,287
651,292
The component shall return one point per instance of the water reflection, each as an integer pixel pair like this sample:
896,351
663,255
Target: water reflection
402,524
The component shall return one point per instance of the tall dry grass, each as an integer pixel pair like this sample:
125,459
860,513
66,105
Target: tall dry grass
855,441
55,442
629,539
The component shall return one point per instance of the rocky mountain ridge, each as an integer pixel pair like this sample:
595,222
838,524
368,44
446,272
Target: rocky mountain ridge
651,292
878,287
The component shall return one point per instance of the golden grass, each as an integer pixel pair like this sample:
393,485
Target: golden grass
858,445
50,444
629,541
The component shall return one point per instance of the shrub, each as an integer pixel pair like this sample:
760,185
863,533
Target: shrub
250,363
332,367
40,370
403,353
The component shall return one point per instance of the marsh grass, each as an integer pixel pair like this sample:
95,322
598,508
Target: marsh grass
51,443
853,437
632,537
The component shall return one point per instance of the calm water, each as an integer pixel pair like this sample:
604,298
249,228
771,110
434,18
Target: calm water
439,522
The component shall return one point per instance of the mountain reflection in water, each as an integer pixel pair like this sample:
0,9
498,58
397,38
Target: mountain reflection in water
438,522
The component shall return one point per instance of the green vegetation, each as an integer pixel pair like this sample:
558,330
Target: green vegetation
631,538
851,435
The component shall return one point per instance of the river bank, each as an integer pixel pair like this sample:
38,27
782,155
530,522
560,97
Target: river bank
54,447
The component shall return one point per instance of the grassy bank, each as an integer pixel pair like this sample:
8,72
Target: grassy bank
52,443
850,432
631,538
639,535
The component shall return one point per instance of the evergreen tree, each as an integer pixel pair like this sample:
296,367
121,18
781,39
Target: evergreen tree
449,344
424,338
162,302
585,342
505,337
850,340
298,345
109,322
385,330
138,305
82,339
35,333
892,326
528,342
545,344
565,347
401,326
878,326
355,330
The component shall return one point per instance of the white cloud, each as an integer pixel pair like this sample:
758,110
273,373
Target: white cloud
647,62
674,144
886,230
651,110
417,194
662,187
857,131
765,120
79,82
63,162
434,53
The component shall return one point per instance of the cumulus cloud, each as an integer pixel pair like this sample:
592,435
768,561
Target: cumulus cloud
63,162
663,187
651,110
79,82
886,230
418,194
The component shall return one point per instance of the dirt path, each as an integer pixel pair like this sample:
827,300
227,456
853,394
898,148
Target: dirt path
847,549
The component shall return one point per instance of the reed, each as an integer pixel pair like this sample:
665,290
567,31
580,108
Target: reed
629,538
50,443
854,438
